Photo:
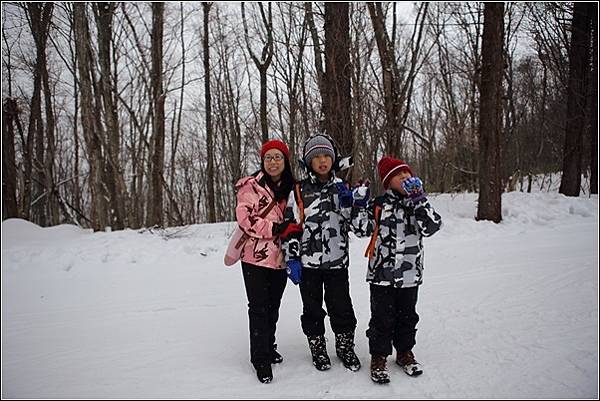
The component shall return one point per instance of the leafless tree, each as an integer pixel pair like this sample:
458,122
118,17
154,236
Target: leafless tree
114,178
262,63
338,70
288,73
397,86
579,61
210,169
490,117
98,215
592,110
95,148
10,115
39,160
455,71
317,53
155,203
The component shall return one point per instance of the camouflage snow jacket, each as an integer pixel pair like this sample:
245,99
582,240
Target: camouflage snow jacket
397,257
324,241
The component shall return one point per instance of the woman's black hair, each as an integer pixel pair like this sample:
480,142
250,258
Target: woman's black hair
286,183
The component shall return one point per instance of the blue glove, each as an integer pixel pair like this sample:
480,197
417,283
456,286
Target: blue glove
344,195
360,194
294,270
414,189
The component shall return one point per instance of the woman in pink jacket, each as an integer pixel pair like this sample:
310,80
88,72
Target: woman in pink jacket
264,273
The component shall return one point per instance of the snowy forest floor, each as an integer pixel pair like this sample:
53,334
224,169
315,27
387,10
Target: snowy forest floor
507,310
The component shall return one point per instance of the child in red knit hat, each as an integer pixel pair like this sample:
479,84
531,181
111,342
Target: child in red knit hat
397,223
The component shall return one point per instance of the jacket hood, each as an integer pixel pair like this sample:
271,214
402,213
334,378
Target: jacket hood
243,181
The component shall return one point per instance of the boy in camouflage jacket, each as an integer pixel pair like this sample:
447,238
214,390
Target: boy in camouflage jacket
396,222
317,257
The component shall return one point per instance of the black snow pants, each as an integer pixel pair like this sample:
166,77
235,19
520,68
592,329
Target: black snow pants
334,286
393,319
264,289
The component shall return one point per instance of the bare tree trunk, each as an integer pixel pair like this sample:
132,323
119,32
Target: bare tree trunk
155,198
210,168
44,207
88,122
34,179
360,94
288,67
234,129
390,74
592,113
35,133
231,96
317,53
338,110
579,57
10,116
9,172
262,64
176,135
114,182
490,120
75,187
50,207
264,122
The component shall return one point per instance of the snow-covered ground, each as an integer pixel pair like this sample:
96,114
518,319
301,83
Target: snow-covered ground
507,310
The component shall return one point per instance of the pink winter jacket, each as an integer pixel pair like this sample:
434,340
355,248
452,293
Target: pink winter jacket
262,248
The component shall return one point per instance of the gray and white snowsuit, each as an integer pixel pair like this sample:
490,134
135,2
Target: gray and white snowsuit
398,251
323,252
395,267
324,242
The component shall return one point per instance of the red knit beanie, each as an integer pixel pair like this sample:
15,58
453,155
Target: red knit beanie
275,144
388,167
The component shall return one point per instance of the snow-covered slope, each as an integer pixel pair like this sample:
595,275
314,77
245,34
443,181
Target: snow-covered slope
507,310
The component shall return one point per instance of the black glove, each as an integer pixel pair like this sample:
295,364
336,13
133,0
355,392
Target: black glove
278,228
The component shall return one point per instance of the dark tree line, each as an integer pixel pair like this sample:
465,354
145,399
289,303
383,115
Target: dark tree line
145,114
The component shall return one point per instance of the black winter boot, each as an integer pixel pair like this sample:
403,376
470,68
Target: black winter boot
318,349
344,348
264,372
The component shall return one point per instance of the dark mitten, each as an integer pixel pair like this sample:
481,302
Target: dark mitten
278,228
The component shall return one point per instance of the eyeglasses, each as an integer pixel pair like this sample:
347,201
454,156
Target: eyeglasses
269,158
